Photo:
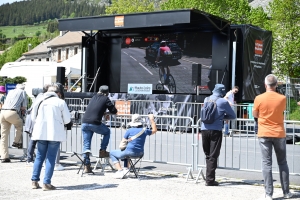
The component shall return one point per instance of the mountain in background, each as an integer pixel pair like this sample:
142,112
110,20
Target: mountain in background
37,11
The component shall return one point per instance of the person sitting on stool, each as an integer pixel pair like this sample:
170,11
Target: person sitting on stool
135,148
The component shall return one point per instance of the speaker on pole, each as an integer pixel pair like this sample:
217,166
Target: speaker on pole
60,75
196,74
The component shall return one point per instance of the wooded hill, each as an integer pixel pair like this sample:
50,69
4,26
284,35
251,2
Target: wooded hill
35,11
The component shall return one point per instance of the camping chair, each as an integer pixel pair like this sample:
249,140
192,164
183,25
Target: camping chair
132,162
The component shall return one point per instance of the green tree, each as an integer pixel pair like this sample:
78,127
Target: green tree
38,33
130,6
52,26
19,79
285,24
17,50
72,15
236,11
259,18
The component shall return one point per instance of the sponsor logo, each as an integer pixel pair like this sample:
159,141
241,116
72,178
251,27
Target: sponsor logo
258,47
139,88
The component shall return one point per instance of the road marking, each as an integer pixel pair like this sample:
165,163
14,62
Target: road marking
193,62
189,61
146,69
125,52
133,58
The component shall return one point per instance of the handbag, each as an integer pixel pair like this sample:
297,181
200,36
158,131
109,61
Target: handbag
124,142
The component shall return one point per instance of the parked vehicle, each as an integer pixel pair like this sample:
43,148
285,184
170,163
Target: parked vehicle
152,50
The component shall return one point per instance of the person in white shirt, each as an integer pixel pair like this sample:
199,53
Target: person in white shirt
230,98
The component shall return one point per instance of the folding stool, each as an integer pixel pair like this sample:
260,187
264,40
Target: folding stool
88,152
132,165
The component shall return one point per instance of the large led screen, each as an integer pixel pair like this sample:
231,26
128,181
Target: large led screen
139,52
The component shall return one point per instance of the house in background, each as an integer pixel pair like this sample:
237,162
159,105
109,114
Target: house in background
57,49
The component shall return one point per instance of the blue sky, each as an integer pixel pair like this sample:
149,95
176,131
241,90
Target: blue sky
7,1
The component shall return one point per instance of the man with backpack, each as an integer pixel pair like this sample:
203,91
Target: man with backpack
213,112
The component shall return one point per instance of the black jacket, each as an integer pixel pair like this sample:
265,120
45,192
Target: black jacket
96,108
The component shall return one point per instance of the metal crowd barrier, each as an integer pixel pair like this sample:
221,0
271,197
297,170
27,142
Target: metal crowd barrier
239,152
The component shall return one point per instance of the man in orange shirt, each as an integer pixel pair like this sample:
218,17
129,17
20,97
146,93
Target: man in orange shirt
269,108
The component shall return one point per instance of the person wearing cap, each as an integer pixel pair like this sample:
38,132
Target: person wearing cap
134,147
212,133
91,122
164,56
14,106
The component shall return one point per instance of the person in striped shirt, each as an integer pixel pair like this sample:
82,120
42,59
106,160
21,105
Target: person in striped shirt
13,108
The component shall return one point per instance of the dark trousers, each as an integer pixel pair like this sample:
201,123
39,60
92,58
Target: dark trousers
30,150
211,143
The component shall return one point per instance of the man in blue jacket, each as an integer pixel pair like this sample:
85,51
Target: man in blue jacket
212,133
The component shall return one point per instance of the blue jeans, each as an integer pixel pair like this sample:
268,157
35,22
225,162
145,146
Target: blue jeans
30,150
87,134
266,146
117,155
45,150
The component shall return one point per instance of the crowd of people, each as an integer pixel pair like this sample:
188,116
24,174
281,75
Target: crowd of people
49,114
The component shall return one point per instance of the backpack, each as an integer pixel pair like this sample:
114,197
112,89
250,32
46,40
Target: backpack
208,111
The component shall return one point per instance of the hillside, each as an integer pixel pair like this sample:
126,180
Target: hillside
37,11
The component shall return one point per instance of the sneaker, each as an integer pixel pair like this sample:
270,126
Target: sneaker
87,168
5,160
125,171
215,183
288,196
119,174
58,167
35,185
47,187
29,164
17,145
103,154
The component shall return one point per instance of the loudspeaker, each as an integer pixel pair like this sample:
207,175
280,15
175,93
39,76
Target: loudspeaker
196,74
60,75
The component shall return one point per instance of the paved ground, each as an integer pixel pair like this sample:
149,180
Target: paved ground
153,184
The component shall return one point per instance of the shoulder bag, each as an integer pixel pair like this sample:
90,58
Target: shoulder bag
124,142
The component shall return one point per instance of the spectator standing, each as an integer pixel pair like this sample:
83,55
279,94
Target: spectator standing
32,143
49,116
212,133
269,108
12,110
230,98
91,123
135,147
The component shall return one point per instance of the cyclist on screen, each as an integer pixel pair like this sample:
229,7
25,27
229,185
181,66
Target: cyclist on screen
164,55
